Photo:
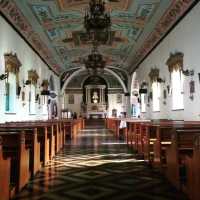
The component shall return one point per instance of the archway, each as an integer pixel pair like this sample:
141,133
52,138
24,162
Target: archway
76,73
95,97
96,82
51,83
135,105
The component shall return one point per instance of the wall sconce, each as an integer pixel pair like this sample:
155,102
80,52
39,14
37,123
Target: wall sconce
53,95
127,94
144,84
37,97
27,82
45,92
143,91
188,72
160,80
3,76
18,91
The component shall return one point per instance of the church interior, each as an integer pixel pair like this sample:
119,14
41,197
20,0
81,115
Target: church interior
99,99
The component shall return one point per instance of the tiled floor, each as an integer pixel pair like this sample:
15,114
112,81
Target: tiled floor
95,166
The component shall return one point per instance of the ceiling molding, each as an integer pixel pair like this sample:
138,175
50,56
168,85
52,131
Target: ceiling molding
13,15
172,17
76,73
118,78
55,30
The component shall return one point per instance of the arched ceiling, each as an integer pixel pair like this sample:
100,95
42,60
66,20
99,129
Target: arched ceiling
54,28
77,81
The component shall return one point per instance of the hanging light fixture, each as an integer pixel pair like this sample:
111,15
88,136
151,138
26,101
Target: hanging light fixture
95,62
96,18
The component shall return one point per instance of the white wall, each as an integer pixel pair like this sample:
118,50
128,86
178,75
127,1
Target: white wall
112,102
184,38
76,107
10,41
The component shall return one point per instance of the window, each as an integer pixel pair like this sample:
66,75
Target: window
156,96
143,104
44,105
10,91
32,97
177,90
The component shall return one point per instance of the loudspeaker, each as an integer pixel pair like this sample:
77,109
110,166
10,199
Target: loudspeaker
143,91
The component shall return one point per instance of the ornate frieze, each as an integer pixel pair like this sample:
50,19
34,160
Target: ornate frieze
33,76
12,63
45,84
154,74
175,61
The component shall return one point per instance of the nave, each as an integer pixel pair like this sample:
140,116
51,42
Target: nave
95,165
99,99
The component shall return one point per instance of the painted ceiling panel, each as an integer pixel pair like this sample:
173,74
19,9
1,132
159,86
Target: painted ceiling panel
77,81
55,28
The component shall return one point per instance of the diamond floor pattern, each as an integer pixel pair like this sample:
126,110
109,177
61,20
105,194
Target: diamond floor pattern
95,166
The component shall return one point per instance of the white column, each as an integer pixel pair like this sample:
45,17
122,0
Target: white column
102,95
65,101
99,95
89,96
86,95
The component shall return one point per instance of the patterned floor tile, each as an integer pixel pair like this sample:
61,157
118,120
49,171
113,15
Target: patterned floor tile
95,166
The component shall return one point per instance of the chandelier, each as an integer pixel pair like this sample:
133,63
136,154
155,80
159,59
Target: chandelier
96,18
95,62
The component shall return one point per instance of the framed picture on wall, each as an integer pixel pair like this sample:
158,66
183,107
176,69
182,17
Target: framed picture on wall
71,99
119,98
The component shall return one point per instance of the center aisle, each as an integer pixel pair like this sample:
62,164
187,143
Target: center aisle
95,166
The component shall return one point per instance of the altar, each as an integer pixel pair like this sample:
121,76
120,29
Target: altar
96,106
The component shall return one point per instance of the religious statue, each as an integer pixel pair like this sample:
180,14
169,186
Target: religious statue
95,97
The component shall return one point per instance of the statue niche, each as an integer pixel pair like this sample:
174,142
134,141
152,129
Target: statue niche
95,97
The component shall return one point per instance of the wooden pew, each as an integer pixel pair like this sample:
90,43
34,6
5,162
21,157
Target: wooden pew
77,126
192,163
14,146
163,138
134,133
67,126
36,142
71,127
32,143
181,146
129,137
113,125
4,173
44,132
149,137
62,130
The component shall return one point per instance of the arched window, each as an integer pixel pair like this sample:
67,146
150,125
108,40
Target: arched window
156,88
32,99
135,105
12,66
51,83
143,103
10,87
156,96
33,78
177,90
175,66
45,93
